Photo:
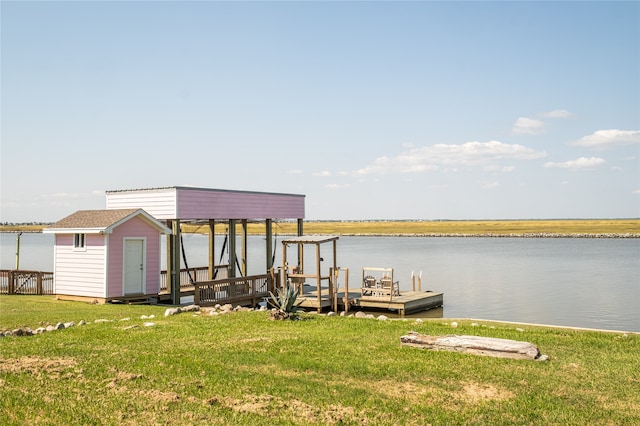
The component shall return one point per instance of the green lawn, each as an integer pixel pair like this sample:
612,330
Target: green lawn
242,368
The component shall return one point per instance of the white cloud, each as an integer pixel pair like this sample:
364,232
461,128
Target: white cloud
295,172
433,157
557,113
582,163
63,195
524,125
490,185
337,186
324,173
636,192
499,168
603,139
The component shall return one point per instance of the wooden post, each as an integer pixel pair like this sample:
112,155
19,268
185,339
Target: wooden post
18,251
346,290
269,234
39,283
173,264
334,290
196,294
212,249
420,282
319,279
413,281
12,284
243,264
301,249
232,248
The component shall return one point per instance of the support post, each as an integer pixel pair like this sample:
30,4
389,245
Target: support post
319,279
18,251
212,248
269,248
243,263
173,264
232,248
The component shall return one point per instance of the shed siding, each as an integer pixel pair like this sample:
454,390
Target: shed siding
134,228
80,272
211,204
198,203
159,203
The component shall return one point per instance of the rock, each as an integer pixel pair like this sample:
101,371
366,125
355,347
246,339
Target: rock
172,311
474,324
454,325
226,308
383,318
149,324
60,326
82,322
520,330
129,327
360,314
40,330
419,321
476,345
50,328
331,314
17,332
191,308
69,324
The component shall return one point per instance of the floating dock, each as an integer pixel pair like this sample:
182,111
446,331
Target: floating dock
408,302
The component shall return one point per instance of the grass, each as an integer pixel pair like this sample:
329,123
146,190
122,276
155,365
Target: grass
241,368
466,227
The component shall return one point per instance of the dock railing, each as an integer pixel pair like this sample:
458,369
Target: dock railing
198,274
243,290
26,282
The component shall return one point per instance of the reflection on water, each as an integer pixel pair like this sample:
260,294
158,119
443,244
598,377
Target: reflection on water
592,283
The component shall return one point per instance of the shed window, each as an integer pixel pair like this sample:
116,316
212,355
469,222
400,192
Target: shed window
79,241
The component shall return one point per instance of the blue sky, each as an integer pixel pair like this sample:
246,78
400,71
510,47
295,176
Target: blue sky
373,110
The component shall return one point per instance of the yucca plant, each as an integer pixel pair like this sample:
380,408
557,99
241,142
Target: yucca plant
285,304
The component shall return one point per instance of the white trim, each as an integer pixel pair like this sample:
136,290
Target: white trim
73,230
106,266
144,262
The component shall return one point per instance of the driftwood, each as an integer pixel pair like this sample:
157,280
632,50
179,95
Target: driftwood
477,345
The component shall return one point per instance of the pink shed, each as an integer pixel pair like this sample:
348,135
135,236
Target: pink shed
105,255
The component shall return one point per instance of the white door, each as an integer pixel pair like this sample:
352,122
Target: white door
134,267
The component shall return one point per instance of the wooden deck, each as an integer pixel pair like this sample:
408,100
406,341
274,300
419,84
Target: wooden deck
407,302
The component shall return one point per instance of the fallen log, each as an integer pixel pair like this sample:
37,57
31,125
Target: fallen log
477,345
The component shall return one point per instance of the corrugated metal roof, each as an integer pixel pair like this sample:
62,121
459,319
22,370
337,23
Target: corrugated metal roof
92,219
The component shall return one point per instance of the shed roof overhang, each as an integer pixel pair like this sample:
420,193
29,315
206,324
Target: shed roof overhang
101,222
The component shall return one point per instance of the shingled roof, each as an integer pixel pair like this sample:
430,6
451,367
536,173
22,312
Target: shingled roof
100,221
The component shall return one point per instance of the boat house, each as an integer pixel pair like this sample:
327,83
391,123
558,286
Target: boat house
104,255
205,206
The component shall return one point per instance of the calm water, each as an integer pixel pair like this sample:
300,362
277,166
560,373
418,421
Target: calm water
576,282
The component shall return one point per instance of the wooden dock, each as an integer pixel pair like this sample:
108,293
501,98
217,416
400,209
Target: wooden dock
407,302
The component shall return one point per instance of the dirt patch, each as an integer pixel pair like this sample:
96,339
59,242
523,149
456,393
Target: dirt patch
299,412
38,366
479,392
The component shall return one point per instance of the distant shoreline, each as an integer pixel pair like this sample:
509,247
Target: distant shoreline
565,228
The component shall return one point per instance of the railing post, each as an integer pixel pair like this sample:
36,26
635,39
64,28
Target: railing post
196,294
11,283
39,283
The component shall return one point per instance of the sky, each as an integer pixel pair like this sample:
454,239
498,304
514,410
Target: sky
372,110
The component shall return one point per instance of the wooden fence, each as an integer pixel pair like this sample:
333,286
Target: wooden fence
198,274
26,282
244,290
